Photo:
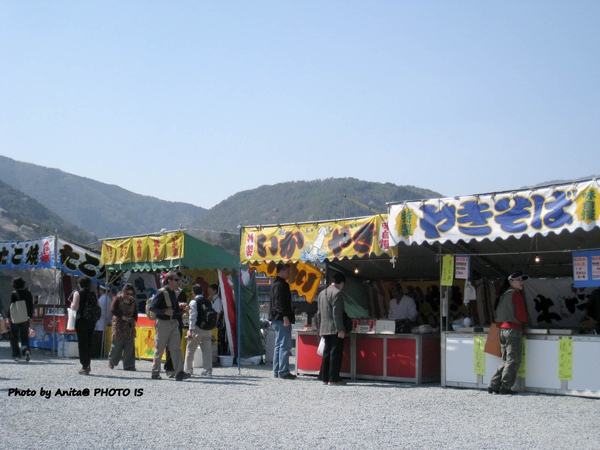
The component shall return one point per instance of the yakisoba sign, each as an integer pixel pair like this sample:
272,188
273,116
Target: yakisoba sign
520,213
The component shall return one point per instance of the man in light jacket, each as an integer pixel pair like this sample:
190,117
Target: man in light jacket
332,329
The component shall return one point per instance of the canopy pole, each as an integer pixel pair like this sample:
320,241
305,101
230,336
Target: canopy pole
239,310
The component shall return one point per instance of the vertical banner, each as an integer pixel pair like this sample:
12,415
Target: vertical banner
173,245
462,269
447,270
140,248
479,355
522,372
565,359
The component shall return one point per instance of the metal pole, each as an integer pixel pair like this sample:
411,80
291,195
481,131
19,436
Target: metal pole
239,312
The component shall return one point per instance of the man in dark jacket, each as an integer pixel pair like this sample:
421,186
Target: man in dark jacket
281,315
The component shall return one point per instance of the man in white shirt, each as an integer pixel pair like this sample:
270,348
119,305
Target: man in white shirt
402,307
99,340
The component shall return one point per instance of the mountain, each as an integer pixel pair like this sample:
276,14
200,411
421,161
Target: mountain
304,201
103,209
22,218
108,210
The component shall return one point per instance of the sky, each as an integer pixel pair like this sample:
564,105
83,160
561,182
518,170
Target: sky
195,101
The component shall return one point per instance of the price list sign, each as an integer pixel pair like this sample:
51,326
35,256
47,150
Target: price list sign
586,269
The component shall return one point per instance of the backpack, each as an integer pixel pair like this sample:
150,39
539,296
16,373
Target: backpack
207,316
91,310
151,314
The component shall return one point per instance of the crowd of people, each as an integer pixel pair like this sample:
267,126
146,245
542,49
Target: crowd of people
93,312
169,305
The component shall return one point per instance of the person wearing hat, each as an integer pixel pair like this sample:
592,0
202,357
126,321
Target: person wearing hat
511,317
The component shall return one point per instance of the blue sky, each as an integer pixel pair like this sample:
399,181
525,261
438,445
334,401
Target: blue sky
194,101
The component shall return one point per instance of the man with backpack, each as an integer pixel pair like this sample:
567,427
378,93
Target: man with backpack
203,319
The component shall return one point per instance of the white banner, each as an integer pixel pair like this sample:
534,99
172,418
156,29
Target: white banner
520,213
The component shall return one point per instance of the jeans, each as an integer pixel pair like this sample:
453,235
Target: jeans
283,347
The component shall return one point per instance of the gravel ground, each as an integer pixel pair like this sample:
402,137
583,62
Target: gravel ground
251,409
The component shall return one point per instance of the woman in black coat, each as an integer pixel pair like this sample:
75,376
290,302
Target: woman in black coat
20,331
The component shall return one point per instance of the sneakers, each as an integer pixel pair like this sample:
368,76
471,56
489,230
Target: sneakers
111,365
83,371
17,358
503,391
27,355
337,383
206,373
170,374
289,376
182,376
131,369
156,376
492,391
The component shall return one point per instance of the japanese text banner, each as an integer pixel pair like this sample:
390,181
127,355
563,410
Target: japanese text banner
304,278
317,241
521,213
143,248
33,254
78,261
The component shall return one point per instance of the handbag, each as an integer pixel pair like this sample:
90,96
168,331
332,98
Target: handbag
492,343
321,347
18,310
72,317
3,326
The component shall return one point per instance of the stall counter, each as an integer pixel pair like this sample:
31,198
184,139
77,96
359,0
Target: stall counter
553,364
412,358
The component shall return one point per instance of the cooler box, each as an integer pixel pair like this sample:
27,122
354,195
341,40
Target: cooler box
56,323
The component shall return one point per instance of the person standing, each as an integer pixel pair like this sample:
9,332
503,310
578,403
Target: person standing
20,331
84,327
99,341
215,298
183,306
511,317
332,329
197,335
281,315
125,313
402,307
165,306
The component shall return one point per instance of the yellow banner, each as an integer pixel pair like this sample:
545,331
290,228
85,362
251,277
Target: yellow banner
447,270
173,244
479,355
116,251
565,359
304,278
522,372
143,249
317,241
140,248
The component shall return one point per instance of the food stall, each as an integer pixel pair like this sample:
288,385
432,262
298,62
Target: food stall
140,260
551,233
356,247
47,265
